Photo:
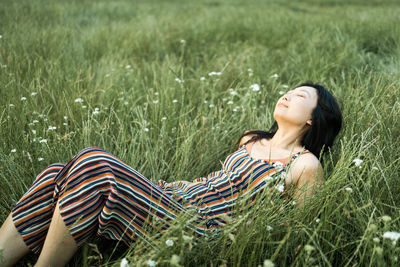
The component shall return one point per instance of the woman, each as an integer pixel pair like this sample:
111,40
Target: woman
97,192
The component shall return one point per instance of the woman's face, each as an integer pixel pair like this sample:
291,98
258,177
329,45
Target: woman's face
296,106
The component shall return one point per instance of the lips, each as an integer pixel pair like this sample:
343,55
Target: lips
280,104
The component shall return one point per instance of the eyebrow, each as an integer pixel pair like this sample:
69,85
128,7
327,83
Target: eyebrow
306,92
303,91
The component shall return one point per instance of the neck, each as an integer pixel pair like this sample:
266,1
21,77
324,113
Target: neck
287,138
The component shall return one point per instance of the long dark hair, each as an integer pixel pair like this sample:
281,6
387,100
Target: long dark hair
326,123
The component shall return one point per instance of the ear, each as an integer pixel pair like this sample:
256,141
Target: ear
309,122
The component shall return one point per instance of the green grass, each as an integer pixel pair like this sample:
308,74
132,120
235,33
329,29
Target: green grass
120,56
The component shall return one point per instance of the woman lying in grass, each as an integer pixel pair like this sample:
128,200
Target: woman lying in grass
97,193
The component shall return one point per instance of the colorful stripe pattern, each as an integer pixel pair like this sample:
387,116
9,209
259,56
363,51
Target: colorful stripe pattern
98,193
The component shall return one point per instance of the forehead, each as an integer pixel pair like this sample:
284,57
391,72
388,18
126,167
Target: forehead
312,92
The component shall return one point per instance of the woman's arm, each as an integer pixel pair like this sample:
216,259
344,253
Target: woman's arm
307,176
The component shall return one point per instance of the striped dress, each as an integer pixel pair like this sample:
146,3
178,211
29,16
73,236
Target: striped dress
99,194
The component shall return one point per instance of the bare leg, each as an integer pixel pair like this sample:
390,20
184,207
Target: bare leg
11,243
59,246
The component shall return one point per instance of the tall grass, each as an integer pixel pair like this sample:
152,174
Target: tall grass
124,58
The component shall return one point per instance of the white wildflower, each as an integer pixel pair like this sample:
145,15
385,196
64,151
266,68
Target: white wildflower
358,162
43,141
65,117
34,131
205,101
124,263
95,112
1,36
281,92
309,248
317,220
294,202
376,239
202,78
155,101
156,93
84,106
40,159
182,41
275,75
35,121
52,128
349,189
269,228
255,87
214,73
128,66
394,236
179,80
249,70
65,124
79,100
42,115
230,102
233,93
268,263
285,86
280,187
175,101
23,98
278,164
13,150
386,218
11,105
151,263
169,243
163,118
126,103
211,106
146,129
33,93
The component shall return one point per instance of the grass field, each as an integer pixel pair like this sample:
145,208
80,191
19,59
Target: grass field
165,86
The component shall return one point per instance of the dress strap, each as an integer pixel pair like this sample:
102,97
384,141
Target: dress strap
248,146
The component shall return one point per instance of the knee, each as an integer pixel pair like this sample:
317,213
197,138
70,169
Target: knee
49,172
88,157
90,153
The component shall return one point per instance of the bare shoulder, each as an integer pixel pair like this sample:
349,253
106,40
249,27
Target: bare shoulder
306,166
245,138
